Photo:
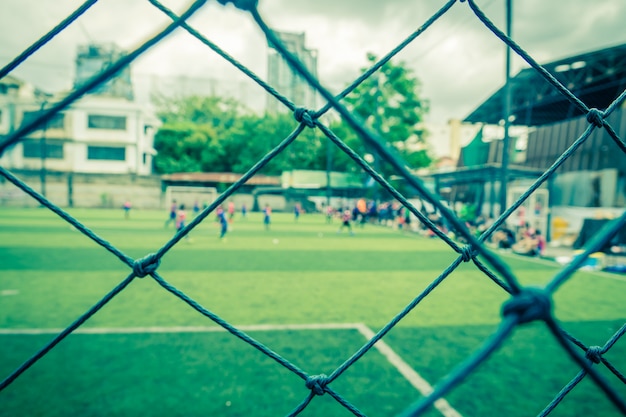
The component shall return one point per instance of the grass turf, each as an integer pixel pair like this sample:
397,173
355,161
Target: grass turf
301,272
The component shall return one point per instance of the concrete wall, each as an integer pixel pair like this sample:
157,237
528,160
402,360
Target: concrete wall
84,190
107,191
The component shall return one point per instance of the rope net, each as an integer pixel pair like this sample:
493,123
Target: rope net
526,304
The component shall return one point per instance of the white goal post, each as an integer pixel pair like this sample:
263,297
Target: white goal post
190,196
534,210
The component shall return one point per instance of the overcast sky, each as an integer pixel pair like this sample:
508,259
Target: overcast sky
459,62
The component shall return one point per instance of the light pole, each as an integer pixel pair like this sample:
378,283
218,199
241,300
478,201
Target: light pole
44,151
504,174
329,167
377,125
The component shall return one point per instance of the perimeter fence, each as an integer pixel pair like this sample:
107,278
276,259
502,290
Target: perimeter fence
526,304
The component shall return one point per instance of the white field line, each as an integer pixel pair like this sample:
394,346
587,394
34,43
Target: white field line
419,383
409,373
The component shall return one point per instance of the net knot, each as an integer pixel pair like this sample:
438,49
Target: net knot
146,265
594,354
596,117
303,115
241,4
529,305
467,253
317,384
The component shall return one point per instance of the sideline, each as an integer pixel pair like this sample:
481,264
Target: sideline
409,373
557,265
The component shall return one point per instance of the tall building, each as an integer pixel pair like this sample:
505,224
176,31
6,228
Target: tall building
285,80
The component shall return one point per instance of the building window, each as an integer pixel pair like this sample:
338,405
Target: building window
106,153
32,148
55,122
98,121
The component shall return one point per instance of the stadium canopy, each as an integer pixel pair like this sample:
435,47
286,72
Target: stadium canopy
596,78
219,180
215,178
481,174
317,180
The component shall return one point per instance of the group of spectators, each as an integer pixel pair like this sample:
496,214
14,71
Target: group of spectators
526,240
523,239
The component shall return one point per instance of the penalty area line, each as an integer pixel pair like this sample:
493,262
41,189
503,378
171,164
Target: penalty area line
415,379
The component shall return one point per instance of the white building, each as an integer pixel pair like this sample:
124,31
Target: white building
105,132
94,135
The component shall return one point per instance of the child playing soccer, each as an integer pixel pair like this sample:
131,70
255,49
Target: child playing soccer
345,221
267,213
221,218
181,216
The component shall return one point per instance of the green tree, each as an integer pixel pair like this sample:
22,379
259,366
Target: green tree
339,160
253,137
217,112
389,102
250,139
193,127
183,147
212,134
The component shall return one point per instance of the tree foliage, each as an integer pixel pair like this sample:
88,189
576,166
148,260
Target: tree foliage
213,134
389,102
184,147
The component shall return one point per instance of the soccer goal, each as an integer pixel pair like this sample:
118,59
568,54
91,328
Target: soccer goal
190,196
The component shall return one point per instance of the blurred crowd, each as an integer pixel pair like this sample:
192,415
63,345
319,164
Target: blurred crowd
522,239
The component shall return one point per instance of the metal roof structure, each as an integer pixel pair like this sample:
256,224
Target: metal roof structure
596,78
482,174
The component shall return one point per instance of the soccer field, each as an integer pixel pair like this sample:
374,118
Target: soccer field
311,295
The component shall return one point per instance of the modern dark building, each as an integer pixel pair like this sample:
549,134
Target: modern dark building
594,174
595,78
589,182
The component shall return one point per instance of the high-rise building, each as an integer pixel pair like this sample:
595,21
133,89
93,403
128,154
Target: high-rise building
285,80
